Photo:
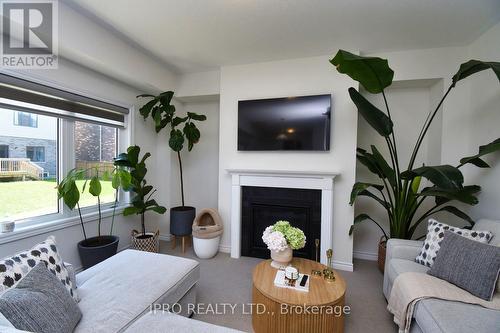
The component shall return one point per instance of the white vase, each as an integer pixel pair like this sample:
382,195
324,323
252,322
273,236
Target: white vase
281,259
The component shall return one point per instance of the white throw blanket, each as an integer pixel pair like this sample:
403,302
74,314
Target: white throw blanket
411,287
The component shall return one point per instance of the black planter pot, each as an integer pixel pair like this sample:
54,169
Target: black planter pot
96,249
181,220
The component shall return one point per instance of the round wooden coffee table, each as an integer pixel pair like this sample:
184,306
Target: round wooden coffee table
285,310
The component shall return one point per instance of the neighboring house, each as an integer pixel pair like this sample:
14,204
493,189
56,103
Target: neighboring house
27,135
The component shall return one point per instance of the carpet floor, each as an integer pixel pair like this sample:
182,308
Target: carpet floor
225,280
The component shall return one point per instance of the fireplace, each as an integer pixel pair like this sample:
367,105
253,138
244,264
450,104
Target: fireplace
263,206
281,179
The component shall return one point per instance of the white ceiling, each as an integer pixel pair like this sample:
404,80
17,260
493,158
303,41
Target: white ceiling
199,35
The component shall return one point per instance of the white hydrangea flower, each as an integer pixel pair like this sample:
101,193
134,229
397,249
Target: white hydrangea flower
274,240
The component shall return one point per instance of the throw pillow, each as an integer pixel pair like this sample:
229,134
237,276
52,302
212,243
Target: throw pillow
435,234
468,264
40,303
13,269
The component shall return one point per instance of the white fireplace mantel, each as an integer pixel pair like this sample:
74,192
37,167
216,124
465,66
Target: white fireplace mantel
316,180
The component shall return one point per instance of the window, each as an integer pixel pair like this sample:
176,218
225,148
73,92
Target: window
25,119
95,148
4,151
61,131
35,154
27,189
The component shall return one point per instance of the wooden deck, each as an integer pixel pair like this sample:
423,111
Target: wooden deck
20,168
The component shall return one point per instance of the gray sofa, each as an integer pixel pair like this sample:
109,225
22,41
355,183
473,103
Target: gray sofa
129,291
433,315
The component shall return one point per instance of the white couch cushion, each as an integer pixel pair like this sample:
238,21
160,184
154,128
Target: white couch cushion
117,291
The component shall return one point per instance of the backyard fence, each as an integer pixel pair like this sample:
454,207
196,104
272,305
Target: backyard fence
93,167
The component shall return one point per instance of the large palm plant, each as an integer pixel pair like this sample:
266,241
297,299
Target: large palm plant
399,191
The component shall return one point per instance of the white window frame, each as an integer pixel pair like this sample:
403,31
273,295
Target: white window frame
65,218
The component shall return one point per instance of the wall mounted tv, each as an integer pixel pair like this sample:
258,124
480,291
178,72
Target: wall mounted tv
290,123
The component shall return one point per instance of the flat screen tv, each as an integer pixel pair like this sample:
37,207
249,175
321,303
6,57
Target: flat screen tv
290,123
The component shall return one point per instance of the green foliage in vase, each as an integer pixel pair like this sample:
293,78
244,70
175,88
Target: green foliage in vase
399,191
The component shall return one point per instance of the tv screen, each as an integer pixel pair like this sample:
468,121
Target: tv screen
290,123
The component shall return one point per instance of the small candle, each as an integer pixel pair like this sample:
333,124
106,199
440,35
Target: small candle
291,273
7,226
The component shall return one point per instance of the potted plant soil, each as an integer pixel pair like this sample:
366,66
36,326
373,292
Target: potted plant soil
162,111
398,189
141,201
92,250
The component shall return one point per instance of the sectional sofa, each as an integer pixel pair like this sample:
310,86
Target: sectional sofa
135,291
434,315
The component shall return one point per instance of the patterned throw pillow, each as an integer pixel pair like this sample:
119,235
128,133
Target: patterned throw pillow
435,234
13,269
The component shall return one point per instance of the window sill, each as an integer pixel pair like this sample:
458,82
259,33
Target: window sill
21,232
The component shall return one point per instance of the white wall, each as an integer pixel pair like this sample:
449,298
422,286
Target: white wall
201,165
305,76
481,124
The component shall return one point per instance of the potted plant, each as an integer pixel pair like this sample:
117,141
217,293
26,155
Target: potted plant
399,190
281,239
141,201
94,249
162,111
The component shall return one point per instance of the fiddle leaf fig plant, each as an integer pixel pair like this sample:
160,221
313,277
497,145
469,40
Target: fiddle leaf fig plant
68,190
141,201
182,129
399,190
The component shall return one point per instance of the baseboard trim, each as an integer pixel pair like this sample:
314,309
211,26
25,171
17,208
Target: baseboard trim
225,248
365,255
343,266
166,238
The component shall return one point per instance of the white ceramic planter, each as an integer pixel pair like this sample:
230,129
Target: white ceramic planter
206,248
282,258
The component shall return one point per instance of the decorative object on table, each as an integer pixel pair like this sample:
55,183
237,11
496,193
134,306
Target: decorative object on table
207,231
435,235
328,271
13,269
316,244
282,281
291,273
399,191
8,226
321,294
162,111
94,249
281,238
40,303
316,272
141,201
468,264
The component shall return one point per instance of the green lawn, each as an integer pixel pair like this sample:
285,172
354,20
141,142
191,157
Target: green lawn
30,198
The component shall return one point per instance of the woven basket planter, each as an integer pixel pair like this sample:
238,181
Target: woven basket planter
151,243
381,254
